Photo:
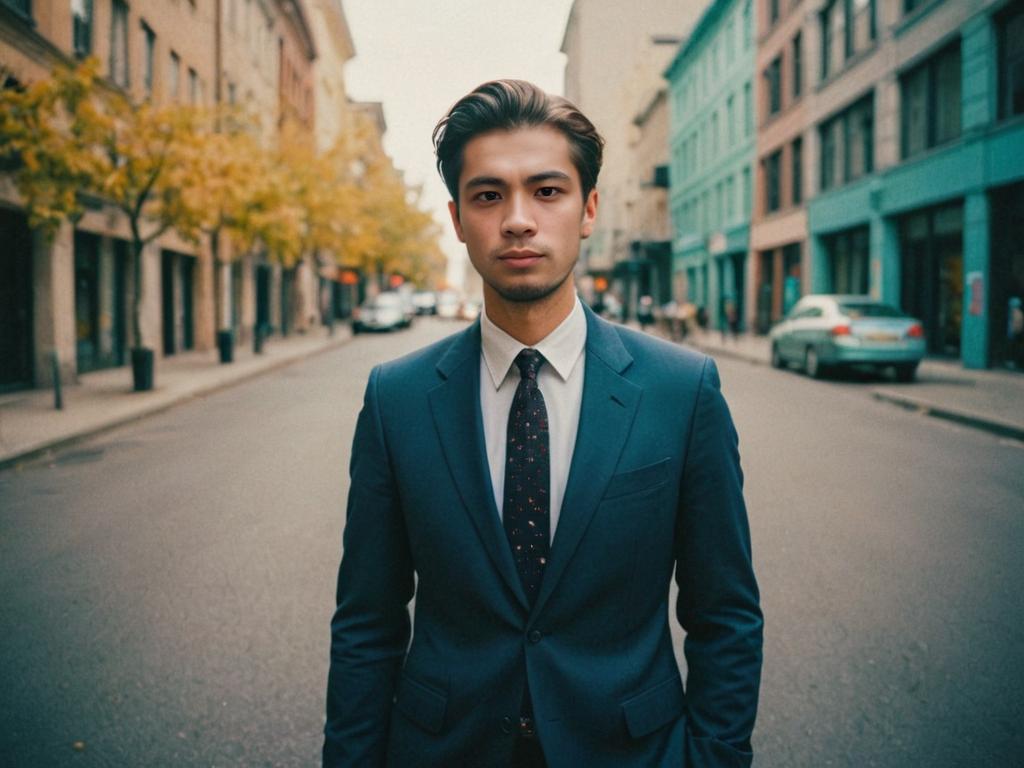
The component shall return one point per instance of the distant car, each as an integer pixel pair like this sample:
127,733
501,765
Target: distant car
383,312
469,310
826,332
425,302
448,305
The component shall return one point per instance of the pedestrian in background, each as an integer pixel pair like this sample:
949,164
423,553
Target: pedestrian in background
535,480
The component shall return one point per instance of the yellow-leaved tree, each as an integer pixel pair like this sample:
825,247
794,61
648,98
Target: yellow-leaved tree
74,135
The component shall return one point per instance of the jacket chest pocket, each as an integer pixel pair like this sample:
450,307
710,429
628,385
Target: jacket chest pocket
637,482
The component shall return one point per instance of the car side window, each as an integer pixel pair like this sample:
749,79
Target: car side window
806,312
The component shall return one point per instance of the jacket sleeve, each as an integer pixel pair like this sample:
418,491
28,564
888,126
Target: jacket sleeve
718,603
370,629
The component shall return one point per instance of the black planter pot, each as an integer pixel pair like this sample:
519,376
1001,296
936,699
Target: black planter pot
226,345
258,334
142,368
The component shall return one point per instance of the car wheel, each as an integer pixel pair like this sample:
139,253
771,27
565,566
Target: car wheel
905,372
777,361
813,366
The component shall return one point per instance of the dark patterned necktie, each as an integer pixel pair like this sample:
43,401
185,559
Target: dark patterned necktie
527,476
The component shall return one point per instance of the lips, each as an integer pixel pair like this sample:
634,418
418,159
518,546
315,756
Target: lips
520,259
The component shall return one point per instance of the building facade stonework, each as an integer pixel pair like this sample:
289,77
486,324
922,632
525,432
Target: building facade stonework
69,299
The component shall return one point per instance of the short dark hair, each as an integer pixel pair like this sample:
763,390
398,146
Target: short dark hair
507,105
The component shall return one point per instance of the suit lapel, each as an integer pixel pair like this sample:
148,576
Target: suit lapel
606,415
455,403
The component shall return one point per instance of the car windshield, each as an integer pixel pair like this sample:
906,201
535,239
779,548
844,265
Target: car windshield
869,309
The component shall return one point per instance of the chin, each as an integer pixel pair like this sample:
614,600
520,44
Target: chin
524,294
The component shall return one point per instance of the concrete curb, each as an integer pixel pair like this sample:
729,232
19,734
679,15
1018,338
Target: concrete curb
957,416
907,402
35,452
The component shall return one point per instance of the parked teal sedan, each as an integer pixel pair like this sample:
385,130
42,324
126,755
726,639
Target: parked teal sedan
826,332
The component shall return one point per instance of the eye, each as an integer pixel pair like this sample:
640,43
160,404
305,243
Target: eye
487,196
548,191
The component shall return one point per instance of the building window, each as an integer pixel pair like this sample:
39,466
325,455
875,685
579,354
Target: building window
1010,36
748,35
930,99
773,12
748,111
81,27
232,94
772,182
847,144
193,86
119,43
847,28
730,41
714,134
848,258
773,85
730,118
797,170
747,194
833,35
149,52
173,76
22,8
730,199
798,65
860,25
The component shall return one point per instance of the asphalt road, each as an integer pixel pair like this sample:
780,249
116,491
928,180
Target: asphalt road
165,590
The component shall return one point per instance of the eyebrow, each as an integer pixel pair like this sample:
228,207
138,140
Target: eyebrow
494,181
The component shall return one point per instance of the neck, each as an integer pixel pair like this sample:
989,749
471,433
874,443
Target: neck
529,322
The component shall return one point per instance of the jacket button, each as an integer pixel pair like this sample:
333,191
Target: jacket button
506,725
535,636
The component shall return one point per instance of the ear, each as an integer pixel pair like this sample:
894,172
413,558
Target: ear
453,210
589,215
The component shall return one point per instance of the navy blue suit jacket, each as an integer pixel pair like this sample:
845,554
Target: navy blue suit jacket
654,485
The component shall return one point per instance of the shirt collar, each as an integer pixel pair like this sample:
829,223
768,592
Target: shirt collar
561,348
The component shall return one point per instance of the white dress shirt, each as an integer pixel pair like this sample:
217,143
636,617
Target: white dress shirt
561,383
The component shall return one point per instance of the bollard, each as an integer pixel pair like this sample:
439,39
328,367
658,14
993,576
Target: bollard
58,398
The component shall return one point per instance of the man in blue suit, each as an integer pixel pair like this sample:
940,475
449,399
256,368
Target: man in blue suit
534,481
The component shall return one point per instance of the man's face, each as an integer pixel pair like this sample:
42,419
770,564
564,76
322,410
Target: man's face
521,212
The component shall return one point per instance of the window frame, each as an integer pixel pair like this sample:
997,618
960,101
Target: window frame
1012,12
930,69
120,70
82,24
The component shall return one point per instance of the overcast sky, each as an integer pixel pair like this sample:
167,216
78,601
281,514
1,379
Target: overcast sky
420,56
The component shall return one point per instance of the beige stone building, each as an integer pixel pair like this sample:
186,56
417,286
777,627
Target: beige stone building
71,298
614,57
648,271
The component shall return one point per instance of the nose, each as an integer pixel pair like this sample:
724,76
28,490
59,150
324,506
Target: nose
518,221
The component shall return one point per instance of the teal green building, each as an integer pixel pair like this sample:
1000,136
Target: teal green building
921,179
711,144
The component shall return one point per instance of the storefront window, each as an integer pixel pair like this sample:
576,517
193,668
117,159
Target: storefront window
848,258
932,281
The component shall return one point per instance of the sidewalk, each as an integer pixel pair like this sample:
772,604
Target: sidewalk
30,425
988,400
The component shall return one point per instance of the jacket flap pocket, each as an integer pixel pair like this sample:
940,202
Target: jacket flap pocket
658,706
424,706
637,479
